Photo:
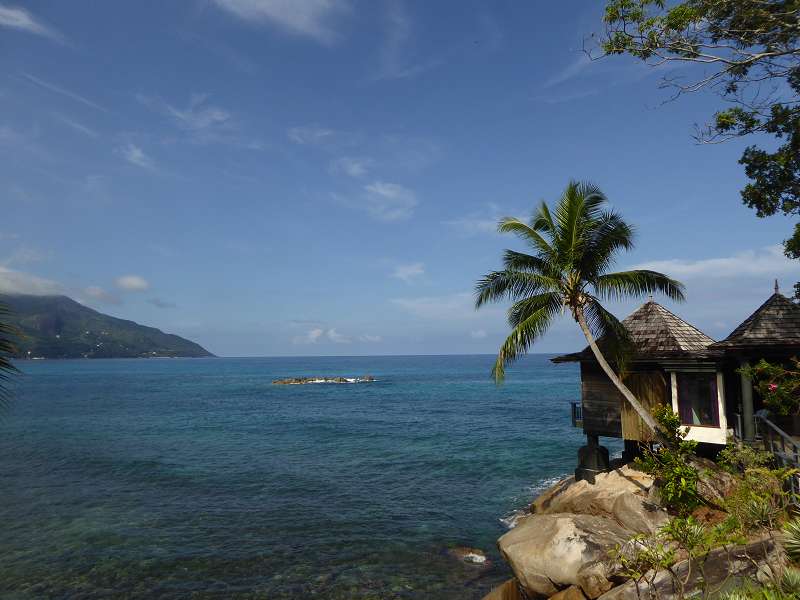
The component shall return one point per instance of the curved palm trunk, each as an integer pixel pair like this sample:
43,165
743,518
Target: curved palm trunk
627,394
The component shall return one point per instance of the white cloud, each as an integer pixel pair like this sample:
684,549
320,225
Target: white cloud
136,156
373,339
24,255
318,334
310,135
768,262
408,272
336,337
132,283
310,337
17,282
351,166
19,18
389,201
449,307
310,18
477,334
101,295
63,92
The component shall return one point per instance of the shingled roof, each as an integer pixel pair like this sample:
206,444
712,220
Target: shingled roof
775,323
656,333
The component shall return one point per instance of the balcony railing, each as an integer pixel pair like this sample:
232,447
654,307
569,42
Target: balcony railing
577,414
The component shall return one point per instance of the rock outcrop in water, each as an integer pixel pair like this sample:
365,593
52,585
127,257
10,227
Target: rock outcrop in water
563,550
310,380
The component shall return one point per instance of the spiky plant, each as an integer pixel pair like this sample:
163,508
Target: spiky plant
574,245
791,539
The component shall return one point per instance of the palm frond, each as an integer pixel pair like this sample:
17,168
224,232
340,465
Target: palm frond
7,349
543,220
519,261
527,233
607,236
637,283
522,337
615,339
521,310
500,285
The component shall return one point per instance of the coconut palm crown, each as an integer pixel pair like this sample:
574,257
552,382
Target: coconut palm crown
574,245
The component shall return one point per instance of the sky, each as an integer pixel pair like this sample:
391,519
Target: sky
324,177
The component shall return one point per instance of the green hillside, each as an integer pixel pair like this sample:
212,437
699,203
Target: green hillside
59,327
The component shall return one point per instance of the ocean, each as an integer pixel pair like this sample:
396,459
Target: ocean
198,478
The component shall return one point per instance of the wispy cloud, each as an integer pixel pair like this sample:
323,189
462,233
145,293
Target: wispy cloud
311,135
18,18
132,283
75,125
571,71
764,262
351,166
198,115
159,303
389,201
310,18
477,334
551,98
319,334
372,339
63,92
480,221
395,54
19,282
450,307
101,295
409,272
136,156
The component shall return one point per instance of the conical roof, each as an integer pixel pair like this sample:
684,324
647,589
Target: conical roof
656,333
774,323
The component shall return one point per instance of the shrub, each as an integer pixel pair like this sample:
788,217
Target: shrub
778,385
670,464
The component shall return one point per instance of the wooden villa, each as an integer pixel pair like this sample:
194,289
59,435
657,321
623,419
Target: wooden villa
676,364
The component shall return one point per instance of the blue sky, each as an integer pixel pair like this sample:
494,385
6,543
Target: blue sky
309,177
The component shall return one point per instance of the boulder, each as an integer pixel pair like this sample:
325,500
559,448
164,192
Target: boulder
573,592
548,551
621,494
508,590
714,484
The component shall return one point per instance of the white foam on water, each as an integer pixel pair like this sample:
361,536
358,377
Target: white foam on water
510,520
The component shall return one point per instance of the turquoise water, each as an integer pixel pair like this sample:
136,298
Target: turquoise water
199,479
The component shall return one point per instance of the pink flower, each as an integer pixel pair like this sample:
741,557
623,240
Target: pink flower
772,387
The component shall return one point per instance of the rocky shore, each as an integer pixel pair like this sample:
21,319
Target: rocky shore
311,380
565,548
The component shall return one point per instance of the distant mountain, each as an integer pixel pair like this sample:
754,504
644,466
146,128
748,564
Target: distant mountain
59,327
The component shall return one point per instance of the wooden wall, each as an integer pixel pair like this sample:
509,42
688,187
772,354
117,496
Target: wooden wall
607,413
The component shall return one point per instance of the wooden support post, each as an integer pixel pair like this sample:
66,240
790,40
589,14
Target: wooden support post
748,432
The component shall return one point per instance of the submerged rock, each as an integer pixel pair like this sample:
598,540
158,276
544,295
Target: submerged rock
310,380
471,556
506,591
548,552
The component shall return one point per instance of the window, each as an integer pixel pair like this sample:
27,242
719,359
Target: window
697,399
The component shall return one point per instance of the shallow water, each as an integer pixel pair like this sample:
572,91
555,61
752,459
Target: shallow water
199,478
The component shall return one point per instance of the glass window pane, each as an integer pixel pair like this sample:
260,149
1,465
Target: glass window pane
697,399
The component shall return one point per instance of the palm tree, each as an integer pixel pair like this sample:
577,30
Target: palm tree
7,368
573,248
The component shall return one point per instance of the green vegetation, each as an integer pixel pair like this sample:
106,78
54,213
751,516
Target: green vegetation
573,247
671,465
58,327
754,509
749,51
778,385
